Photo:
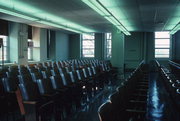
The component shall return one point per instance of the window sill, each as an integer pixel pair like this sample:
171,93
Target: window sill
161,59
32,62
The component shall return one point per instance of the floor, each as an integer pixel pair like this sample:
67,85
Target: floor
160,105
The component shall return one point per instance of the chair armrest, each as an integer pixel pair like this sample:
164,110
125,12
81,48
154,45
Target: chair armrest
30,102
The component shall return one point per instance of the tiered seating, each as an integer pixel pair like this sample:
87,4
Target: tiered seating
129,102
172,84
52,90
175,68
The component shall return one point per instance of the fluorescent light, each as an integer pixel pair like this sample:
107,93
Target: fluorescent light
102,10
17,14
59,26
26,11
175,29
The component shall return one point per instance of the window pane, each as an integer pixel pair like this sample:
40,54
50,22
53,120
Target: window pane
109,53
162,43
108,35
88,45
88,36
29,54
30,50
162,53
162,35
5,42
108,45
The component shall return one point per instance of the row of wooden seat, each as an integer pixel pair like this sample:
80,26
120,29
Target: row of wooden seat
172,84
175,68
130,100
51,89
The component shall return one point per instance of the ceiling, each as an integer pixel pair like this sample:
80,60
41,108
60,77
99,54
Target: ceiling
135,15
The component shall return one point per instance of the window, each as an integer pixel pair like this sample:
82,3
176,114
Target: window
4,50
108,37
30,49
162,44
30,44
88,45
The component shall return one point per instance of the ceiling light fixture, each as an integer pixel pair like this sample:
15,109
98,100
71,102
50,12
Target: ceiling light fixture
28,12
17,15
102,10
175,29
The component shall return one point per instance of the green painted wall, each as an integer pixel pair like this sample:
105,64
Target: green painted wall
13,42
43,44
62,46
176,46
117,59
22,44
18,43
36,42
52,45
74,46
139,46
40,44
149,47
99,45
134,45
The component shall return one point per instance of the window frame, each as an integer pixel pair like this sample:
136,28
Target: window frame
7,48
161,48
82,48
31,51
106,46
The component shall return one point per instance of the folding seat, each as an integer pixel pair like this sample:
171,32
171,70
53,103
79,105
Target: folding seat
36,107
69,80
76,88
177,99
98,80
46,74
59,86
62,70
73,68
24,71
45,86
3,104
116,105
55,72
89,82
45,64
68,69
105,112
9,101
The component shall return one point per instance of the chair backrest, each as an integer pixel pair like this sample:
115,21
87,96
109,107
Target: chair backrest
89,71
78,75
93,70
45,86
85,73
68,79
57,82
36,76
29,92
9,84
72,77
63,79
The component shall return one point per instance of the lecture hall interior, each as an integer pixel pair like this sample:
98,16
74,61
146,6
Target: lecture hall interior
89,60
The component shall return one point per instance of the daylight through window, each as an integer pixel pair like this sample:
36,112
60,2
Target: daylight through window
162,44
108,45
88,45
